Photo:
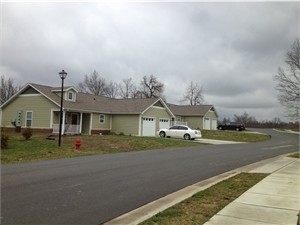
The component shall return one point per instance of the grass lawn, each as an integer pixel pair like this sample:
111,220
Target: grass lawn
39,148
295,155
202,206
240,136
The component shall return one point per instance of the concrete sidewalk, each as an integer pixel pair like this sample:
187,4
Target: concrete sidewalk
217,142
274,200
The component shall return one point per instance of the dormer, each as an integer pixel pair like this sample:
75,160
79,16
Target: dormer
69,93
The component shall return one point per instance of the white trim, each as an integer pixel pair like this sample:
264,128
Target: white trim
51,117
80,123
140,124
63,123
157,107
91,124
100,119
30,95
26,118
65,89
164,104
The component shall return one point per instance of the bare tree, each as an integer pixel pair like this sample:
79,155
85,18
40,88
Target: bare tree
93,84
245,119
193,94
8,89
151,87
112,90
288,82
128,88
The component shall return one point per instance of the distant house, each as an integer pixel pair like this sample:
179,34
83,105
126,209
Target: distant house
197,116
38,106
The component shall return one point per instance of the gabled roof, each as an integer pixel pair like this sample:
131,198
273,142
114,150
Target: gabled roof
190,110
92,103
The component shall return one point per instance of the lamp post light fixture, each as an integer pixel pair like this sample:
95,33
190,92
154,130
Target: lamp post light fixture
62,76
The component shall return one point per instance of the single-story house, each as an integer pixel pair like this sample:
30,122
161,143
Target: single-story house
38,106
197,116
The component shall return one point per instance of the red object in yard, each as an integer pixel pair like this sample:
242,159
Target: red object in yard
78,143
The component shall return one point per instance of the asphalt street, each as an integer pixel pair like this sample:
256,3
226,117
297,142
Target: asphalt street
95,189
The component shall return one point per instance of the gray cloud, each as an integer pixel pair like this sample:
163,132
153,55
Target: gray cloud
232,49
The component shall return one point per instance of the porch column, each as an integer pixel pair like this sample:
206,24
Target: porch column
63,123
80,123
140,124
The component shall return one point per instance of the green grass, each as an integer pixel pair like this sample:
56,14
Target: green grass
202,206
295,155
39,148
239,136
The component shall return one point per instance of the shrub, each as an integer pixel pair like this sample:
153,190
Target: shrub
4,141
27,133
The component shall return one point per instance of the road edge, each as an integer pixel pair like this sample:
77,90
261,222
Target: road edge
148,210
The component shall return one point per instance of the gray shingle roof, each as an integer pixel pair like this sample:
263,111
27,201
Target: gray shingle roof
94,103
190,110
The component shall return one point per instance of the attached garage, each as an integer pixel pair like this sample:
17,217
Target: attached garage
148,125
196,116
164,123
214,124
206,123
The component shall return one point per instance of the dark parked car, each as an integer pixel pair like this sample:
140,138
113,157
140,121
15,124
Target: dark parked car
232,126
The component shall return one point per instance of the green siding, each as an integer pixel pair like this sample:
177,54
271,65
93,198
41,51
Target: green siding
96,125
157,113
195,122
211,115
86,123
38,104
128,124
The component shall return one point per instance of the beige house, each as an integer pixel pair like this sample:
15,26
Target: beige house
38,106
197,116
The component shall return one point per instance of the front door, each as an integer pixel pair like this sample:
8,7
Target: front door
74,119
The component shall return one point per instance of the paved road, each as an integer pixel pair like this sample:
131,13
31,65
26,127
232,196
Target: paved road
92,190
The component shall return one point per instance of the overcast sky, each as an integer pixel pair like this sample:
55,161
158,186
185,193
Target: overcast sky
232,49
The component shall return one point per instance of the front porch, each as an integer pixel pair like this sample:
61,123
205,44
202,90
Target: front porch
72,123
66,129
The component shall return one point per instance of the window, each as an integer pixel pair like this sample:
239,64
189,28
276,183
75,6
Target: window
102,118
28,119
70,96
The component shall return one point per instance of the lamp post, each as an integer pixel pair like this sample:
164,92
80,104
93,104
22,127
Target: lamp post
62,76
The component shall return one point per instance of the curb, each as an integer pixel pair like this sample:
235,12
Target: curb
147,211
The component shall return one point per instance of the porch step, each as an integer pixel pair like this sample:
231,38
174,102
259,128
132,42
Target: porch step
51,137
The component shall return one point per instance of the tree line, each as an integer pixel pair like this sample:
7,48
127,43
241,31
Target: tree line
252,122
148,87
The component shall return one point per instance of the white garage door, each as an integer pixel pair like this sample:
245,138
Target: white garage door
207,124
148,126
164,123
213,124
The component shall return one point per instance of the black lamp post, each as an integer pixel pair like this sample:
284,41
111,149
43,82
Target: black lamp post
62,75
